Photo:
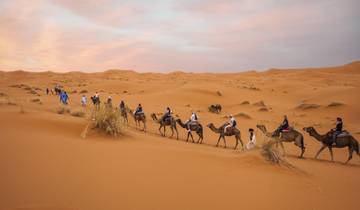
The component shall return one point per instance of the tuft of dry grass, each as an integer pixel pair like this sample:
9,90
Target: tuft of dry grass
108,120
305,106
83,91
335,104
263,109
63,110
218,93
270,153
259,103
245,103
35,100
273,156
78,114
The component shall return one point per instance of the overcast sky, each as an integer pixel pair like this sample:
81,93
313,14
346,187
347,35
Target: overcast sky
169,35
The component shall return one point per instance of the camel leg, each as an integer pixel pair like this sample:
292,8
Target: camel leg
242,144
320,150
144,126
302,152
188,135
224,141
218,141
198,141
350,155
331,153
192,138
177,133
172,131
160,131
236,142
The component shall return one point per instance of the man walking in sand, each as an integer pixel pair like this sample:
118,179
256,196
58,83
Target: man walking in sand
83,101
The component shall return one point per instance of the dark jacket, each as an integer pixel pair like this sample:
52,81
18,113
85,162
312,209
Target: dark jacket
339,126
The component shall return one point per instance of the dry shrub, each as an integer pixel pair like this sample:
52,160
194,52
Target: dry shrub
108,120
215,108
273,155
270,153
251,88
218,93
78,114
260,103
33,92
35,100
245,103
335,104
305,106
263,109
63,110
83,91
3,95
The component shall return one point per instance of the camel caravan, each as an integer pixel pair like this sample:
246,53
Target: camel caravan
335,138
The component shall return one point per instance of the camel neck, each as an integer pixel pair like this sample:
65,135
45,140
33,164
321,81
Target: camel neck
317,136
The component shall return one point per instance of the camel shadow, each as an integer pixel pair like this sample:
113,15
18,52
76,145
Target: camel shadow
337,162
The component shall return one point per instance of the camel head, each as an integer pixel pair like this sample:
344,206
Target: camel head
153,116
261,127
310,130
210,125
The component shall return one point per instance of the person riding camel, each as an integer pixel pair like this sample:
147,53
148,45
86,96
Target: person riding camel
192,121
283,126
122,105
232,123
337,130
139,110
167,114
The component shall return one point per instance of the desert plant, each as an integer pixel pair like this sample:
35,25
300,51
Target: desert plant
107,119
35,100
63,110
78,114
270,153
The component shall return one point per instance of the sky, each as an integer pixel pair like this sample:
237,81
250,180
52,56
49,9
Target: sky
177,35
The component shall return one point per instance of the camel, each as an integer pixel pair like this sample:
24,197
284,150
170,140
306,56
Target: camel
340,142
215,108
169,121
193,127
138,118
229,132
124,114
288,136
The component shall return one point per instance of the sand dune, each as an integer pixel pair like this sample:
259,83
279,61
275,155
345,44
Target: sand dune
46,164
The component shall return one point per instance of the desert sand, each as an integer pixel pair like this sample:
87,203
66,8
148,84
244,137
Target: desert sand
47,165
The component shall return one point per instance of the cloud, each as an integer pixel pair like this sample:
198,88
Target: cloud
228,35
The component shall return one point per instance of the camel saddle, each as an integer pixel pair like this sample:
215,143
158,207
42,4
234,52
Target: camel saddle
344,133
287,129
